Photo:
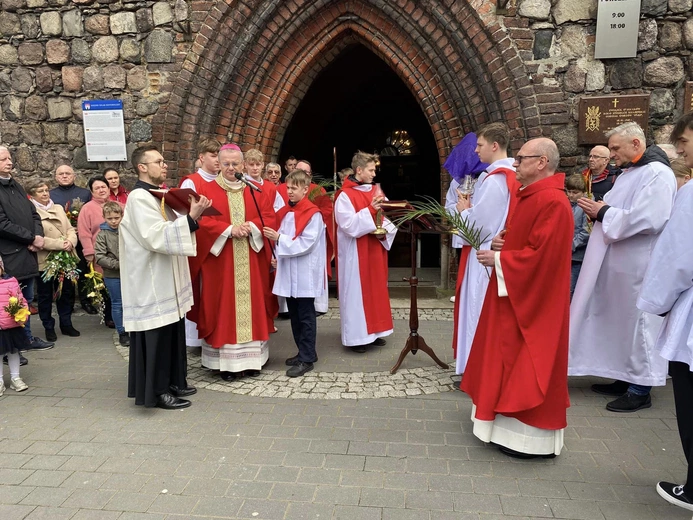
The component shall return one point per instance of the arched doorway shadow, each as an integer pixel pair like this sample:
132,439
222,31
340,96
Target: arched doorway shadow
357,103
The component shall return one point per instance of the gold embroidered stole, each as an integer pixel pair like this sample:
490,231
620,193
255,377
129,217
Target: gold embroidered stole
241,264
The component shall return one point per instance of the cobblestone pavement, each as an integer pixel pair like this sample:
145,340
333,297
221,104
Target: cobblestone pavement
74,447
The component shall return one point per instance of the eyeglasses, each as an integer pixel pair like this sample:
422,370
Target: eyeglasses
596,157
520,158
273,172
160,162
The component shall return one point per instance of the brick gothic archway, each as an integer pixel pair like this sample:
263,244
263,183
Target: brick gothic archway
252,62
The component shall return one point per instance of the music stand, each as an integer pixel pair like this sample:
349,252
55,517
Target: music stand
414,227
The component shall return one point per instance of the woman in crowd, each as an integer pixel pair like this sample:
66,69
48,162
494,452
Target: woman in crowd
59,235
118,193
88,226
273,173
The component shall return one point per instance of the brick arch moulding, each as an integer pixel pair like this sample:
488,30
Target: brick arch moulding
252,62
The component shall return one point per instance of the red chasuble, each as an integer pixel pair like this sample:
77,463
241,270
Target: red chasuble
518,364
231,298
372,265
513,186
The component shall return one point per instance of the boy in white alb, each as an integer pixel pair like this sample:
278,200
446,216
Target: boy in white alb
301,275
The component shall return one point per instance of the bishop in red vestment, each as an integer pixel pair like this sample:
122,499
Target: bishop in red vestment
232,314
517,369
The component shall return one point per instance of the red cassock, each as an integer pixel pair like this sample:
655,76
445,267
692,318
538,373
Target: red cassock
518,364
217,310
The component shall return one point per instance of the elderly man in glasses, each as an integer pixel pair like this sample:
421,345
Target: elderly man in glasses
516,375
609,336
599,176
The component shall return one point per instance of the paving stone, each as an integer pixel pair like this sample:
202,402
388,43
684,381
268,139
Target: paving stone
51,513
269,509
357,513
382,498
293,492
309,511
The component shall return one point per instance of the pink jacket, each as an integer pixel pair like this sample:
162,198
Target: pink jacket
8,287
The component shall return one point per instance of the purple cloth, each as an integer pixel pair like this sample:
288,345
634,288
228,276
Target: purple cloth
463,160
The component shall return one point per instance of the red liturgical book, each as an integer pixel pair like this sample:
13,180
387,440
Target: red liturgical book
178,200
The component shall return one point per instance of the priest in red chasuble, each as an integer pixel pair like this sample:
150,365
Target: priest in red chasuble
232,317
517,369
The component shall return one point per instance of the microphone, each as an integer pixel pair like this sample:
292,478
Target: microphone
242,178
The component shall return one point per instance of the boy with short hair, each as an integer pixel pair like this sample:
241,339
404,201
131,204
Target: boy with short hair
107,256
575,189
301,273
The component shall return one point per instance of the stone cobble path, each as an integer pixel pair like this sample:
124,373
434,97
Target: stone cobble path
74,447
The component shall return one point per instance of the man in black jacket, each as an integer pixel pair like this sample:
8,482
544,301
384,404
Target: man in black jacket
65,194
21,235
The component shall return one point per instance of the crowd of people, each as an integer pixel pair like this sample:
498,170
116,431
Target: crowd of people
588,275
584,276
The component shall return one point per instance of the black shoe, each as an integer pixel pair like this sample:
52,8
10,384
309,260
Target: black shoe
51,335
89,308
380,342
39,344
630,403
251,373
358,348
110,324
22,360
124,339
617,388
170,402
293,361
68,330
183,392
674,494
299,369
283,316
228,376
524,456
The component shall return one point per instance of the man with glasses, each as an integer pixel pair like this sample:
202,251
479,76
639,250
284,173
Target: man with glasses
156,291
273,173
517,369
609,336
599,176
232,315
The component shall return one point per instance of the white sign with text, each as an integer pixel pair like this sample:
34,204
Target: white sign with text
617,29
104,130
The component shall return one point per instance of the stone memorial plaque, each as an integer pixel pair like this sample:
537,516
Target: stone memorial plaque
688,98
600,114
617,29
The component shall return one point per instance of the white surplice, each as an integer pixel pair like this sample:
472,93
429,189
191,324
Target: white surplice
350,226
668,284
451,205
301,271
609,336
488,212
192,337
156,287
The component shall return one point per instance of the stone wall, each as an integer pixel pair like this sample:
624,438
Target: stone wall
170,61
55,53
557,41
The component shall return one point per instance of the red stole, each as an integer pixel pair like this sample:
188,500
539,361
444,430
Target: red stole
303,211
513,186
372,267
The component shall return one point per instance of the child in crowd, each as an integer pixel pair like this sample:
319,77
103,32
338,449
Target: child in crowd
106,255
575,189
301,275
12,335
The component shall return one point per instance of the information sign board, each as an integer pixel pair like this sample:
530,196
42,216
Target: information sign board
617,29
104,130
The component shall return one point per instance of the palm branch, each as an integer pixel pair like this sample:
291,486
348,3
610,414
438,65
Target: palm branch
452,222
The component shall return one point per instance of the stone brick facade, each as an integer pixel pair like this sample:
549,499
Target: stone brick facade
239,69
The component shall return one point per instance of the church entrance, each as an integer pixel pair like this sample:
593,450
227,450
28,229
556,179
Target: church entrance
359,103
